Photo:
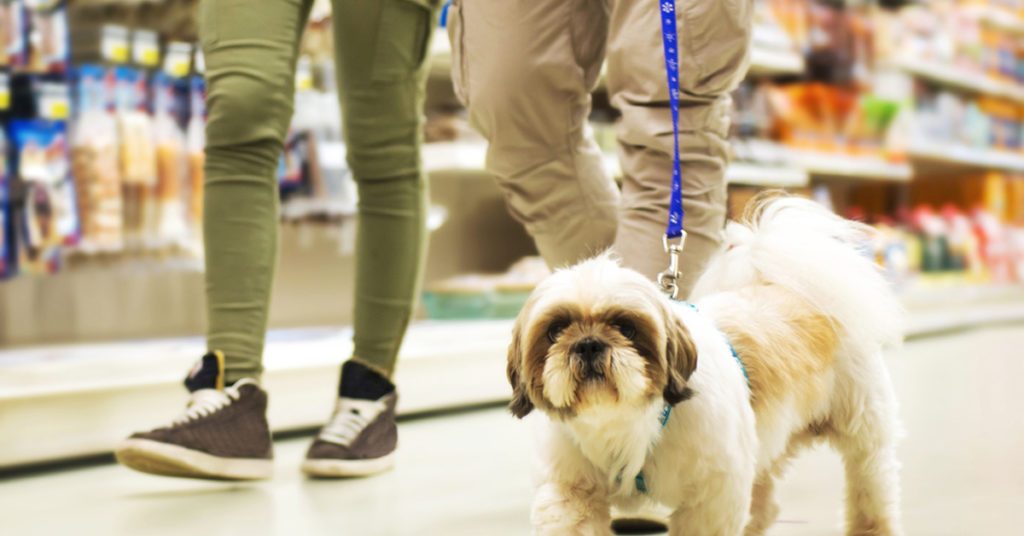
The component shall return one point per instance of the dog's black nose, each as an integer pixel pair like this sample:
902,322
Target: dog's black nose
589,349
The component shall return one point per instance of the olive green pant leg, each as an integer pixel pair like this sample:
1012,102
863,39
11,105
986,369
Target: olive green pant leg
250,51
381,50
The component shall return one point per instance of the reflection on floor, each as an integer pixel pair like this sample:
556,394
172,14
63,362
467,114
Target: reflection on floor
469,474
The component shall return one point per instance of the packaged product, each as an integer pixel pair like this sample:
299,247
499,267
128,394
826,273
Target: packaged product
94,162
12,34
137,158
47,218
48,36
145,48
171,227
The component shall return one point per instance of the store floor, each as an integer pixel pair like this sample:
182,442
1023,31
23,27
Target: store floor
469,473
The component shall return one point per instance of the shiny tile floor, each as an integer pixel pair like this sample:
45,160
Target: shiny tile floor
469,474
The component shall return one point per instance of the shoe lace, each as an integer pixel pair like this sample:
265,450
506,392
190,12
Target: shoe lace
350,417
205,402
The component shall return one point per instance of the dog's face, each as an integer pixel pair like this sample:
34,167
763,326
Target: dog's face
597,334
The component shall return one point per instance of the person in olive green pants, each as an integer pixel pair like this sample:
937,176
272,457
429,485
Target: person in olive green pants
251,50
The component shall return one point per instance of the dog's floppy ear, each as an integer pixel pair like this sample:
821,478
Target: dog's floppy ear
681,355
520,405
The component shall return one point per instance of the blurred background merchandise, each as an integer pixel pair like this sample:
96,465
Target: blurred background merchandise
906,115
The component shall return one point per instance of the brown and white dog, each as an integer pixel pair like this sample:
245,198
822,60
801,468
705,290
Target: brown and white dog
645,400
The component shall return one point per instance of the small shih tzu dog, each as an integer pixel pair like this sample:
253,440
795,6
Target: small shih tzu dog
698,407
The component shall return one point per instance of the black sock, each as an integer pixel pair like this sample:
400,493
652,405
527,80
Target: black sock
358,381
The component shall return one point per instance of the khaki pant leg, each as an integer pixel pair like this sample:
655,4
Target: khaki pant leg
525,70
714,39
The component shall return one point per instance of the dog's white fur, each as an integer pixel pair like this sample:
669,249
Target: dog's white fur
789,276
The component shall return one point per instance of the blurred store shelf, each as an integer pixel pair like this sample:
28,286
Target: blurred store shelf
469,156
948,154
960,78
764,60
113,389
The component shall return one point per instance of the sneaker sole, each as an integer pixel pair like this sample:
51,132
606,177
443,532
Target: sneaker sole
164,459
347,468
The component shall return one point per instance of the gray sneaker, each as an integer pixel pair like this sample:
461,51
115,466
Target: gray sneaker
359,440
222,434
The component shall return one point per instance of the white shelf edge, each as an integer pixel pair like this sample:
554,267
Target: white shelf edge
961,78
760,175
840,165
966,156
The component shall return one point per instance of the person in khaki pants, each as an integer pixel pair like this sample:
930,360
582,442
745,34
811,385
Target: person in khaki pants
525,70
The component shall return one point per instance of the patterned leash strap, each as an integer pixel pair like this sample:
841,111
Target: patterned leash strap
674,231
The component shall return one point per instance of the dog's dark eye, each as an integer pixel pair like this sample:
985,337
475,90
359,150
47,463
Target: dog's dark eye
626,328
555,330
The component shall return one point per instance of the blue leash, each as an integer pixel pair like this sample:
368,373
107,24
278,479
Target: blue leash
674,230
669,40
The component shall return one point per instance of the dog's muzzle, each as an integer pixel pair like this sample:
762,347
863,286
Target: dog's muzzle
589,358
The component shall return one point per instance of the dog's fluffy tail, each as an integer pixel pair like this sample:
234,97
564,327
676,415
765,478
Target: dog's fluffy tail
799,245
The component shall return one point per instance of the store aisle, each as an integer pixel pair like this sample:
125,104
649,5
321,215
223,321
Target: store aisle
469,474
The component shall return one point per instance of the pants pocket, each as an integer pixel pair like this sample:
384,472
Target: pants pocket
403,36
460,77
718,37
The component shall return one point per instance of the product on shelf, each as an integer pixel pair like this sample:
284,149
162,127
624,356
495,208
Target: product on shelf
47,217
12,34
171,227
137,157
145,48
811,117
94,163
944,117
47,36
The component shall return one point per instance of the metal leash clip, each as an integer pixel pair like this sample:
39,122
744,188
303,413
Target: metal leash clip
667,279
